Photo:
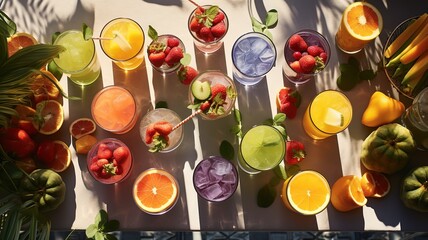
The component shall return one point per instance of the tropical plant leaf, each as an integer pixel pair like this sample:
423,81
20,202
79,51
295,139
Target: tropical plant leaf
7,26
3,49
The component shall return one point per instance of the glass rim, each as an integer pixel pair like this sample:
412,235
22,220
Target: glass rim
128,126
234,170
226,20
310,108
111,23
264,37
94,54
283,148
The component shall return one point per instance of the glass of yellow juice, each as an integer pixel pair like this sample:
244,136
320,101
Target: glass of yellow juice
122,40
114,109
329,113
79,60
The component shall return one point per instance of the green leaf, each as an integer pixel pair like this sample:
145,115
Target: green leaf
266,196
271,18
55,36
54,69
87,32
256,23
99,236
293,170
161,104
280,171
238,115
226,150
3,49
268,34
91,230
211,12
282,130
279,118
7,26
153,34
185,60
112,225
101,218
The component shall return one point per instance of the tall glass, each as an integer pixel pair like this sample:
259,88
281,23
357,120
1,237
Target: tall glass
114,109
253,56
329,113
262,148
416,119
163,114
122,40
212,42
205,81
312,38
79,60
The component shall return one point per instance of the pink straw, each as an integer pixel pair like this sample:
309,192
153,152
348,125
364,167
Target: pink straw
186,119
194,3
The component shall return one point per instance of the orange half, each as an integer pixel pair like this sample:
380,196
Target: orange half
62,157
19,41
363,21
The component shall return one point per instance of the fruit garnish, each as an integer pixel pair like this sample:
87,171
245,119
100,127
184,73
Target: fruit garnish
19,41
287,102
49,117
334,118
121,41
157,135
375,184
81,127
43,88
295,152
85,143
55,155
201,90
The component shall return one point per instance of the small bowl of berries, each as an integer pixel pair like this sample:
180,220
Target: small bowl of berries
306,53
208,25
165,51
109,161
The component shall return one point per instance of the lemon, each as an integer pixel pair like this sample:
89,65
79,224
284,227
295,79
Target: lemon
334,118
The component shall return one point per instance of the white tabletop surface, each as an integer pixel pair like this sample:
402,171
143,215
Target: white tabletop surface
333,157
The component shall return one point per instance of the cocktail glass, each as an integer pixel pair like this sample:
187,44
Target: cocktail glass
253,56
163,114
416,119
213,41
215,179
312,38
122,40
216,109
165,68
329,113
79,60
262,148
114,109
124,167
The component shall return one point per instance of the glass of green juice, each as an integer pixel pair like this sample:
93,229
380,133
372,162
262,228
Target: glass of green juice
262,148
79,60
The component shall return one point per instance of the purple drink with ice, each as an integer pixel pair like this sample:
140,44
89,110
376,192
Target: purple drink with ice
215,179
253,56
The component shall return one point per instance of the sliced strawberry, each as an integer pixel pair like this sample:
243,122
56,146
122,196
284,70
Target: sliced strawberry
296,67
218,90
150,132
218,30
157,58
205,106
174,56
218,18
164,128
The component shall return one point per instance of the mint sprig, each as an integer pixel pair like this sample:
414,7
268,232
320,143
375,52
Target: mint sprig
270,22
101,228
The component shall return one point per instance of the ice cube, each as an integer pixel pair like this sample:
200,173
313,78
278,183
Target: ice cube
222,167
262,68
258,45
213,176
204,166
226,189
229,178
212,191
244,45
201,180
251,58
267,55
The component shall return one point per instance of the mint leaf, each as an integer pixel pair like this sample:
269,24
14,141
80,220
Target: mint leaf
257,25
279,118
152,33
238,115
211,12
91,230
271,18
87,32
280,171
101,218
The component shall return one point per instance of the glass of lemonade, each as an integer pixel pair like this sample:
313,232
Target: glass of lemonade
213,42
215,179
122,40
114,109
262,148
79,60
163,114
253,56
329,113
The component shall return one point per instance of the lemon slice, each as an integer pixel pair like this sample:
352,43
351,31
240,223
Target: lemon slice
334,118
121,41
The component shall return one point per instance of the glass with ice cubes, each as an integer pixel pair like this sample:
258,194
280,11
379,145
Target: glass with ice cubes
215,179
253,56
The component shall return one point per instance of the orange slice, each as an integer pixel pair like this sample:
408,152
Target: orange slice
81,127
155,191
49,117
43,88
307,192
85,143
18,41
375,184
347,194
363,21
62,157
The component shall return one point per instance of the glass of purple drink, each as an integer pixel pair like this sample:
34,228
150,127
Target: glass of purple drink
215,179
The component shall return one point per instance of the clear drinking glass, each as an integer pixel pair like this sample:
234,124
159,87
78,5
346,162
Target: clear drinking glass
165,68
416,119
253,56
312,38
79,60
122,40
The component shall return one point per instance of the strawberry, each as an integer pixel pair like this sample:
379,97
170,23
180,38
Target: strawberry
205,106
164,128
104,151
195,25
315,50
108,170
289,109
218,18
16,142
174,56
206,34
218,90
101,162
296,67
218,30
150,132
307,64
167,50
297,55
173,42
119,170
323,56
94,167
120,154
295,152
297,43
283,92
157,58
186,74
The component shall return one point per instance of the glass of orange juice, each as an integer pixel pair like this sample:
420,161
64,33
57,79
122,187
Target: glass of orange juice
329,113
361,23
114,109
122,40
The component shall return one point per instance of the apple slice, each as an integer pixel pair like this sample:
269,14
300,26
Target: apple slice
201,90
333,118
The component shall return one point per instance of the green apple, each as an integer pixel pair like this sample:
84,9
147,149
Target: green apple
201,90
